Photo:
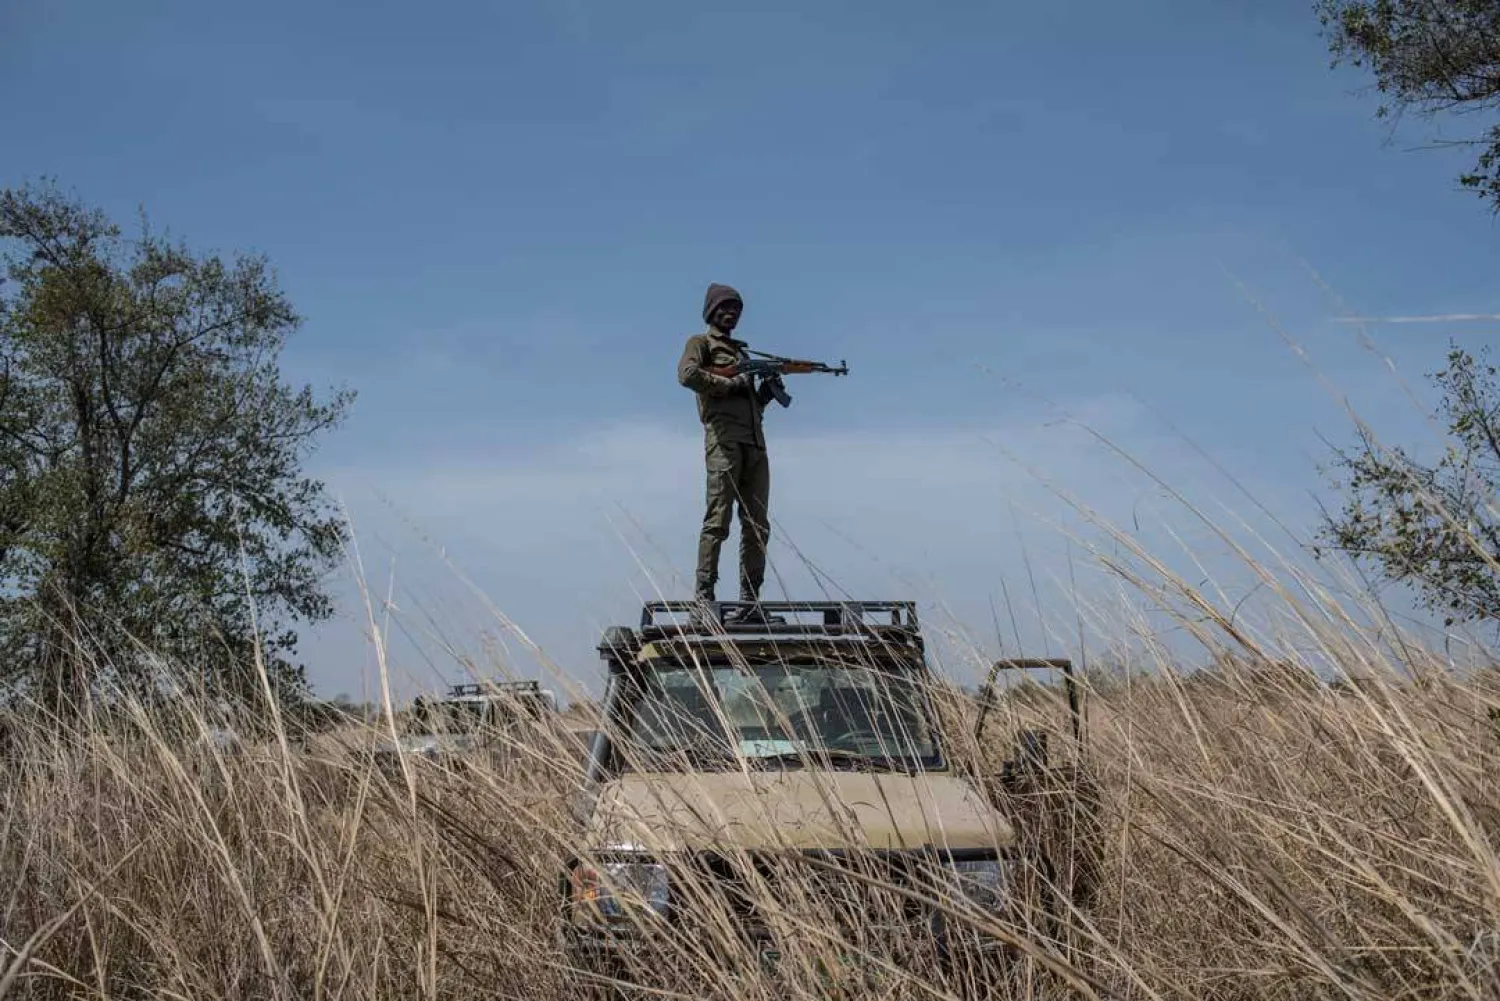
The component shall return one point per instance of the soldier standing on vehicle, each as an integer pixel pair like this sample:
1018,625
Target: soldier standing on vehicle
734,446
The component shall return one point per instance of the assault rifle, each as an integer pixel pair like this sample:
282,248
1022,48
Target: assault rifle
773,367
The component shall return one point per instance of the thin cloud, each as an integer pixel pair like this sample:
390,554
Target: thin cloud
1435,318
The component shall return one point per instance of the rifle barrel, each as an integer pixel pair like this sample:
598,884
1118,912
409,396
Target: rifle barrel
815,366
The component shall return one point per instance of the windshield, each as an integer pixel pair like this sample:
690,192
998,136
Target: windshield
779,712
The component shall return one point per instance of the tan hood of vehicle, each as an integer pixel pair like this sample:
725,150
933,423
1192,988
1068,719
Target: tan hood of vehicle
793,809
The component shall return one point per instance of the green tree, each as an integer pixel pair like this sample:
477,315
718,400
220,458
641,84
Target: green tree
153,509
1432,527
1431,56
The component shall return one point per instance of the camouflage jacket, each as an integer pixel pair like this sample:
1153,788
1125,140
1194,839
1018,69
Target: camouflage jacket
729,414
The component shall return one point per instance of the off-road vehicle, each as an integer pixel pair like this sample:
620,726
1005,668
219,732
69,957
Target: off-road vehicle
757,784
474,721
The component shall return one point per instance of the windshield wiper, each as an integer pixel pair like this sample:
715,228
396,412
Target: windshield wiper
696,754
836,757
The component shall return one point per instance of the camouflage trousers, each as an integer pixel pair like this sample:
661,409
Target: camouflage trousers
736,473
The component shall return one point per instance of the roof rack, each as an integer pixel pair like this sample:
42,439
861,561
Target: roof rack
528,687
833,618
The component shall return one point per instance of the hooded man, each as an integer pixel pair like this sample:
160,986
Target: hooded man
734,446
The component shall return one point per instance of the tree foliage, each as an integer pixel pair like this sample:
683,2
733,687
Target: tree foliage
1431,56
152,502
1435,528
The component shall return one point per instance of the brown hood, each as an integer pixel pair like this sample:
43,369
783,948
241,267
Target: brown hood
793,809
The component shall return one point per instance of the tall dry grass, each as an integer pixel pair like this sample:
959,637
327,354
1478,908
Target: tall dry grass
1265,836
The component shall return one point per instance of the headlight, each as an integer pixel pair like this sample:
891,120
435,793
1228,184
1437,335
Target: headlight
986,883
616,891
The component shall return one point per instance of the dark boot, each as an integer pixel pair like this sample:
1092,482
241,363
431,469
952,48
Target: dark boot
754,615
702,617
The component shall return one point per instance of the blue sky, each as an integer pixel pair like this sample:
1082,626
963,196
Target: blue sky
499,219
